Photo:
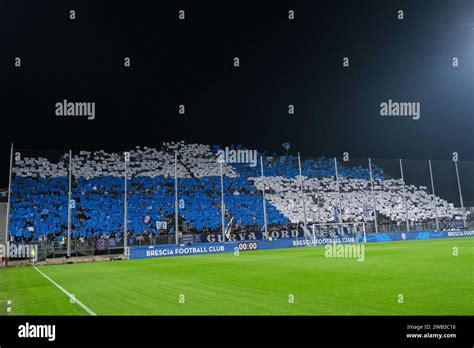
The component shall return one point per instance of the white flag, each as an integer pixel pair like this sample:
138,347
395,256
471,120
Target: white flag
228,228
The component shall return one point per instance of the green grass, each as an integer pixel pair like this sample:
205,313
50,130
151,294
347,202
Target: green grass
431,280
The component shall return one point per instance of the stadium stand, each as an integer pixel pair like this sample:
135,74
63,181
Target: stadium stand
39,193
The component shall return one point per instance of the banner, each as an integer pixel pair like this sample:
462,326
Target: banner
213,238
138,252
187,238
147,220
161,225
234,237
101,244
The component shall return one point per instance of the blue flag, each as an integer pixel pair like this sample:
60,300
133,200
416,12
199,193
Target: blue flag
335,214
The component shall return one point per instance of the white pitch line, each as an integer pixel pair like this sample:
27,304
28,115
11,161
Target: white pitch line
87,309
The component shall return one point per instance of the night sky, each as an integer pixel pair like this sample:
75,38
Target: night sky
282,62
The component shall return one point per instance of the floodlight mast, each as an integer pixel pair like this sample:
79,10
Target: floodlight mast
363,228
69,207
125,206
338,192
373,196
302,194
263,195
222,200
434,196
460,194
176,198
404,196
7,223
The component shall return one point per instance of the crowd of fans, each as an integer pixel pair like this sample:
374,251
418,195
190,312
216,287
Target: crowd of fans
322,198
39,206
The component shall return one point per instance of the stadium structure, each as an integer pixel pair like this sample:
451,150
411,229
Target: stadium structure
195,199
201,203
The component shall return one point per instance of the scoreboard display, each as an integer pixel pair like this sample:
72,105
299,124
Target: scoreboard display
244,246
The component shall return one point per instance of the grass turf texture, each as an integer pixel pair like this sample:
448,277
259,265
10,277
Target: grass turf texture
431,280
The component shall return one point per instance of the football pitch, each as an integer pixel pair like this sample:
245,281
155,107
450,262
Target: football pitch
429,277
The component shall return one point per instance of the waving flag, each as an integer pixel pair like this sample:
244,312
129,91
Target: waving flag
335,214
228,228
367,210
147,219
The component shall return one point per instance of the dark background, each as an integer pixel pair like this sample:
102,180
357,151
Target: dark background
282,62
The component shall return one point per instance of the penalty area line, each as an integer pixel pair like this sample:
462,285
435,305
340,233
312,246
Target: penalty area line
71,297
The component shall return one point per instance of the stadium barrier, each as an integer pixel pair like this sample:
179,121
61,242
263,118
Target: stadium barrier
139,252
